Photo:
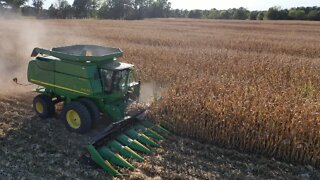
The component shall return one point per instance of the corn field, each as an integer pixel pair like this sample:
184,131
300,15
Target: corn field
247,85
251,87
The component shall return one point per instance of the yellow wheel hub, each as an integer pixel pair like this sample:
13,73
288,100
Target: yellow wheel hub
39,107
73,119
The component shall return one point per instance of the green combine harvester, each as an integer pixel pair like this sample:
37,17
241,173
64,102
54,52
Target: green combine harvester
91,82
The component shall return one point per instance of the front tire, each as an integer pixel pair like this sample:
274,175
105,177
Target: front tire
76,117
43,106
92,108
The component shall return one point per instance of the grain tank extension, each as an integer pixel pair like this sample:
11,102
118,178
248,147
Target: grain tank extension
92,82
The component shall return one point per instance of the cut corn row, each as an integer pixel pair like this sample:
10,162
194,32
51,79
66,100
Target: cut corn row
115,148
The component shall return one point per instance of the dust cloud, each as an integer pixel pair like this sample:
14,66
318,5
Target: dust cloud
18,37
150,92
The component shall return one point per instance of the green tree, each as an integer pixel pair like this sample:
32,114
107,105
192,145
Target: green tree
104,11
85,8
38,4
64,9
2,3
260,16
205,14
80,8
138,9
276,13
297,14
160,9
214,14
273,12
314,15
225,14
253,15
16,4
179,13
52,11
240,13
93,7
197,14
118,8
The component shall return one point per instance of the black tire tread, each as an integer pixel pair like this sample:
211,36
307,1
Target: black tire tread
93,109
49,107
86,122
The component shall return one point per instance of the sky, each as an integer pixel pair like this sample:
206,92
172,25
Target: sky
226,4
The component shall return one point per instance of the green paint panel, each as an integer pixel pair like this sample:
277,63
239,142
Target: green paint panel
46,64
84,70
96,157
80,86
149,132
161,130
114,158
116,111
134,144
96,87
125,150
141,138
156,127
37,73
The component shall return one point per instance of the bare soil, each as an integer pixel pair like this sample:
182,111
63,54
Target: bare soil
34,148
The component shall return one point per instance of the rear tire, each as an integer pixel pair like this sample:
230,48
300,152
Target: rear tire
76,117
43,106
93,109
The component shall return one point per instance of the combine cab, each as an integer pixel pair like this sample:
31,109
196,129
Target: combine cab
92,82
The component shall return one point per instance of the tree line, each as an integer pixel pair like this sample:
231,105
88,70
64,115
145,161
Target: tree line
273,13
102,9
140,9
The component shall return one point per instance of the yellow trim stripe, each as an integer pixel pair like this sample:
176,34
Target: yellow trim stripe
61,87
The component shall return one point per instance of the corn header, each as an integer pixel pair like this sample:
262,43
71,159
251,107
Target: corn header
91,82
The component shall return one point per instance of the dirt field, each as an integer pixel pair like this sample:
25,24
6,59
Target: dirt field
32,148
243,85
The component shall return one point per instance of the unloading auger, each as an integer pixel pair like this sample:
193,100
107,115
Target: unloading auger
91,81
